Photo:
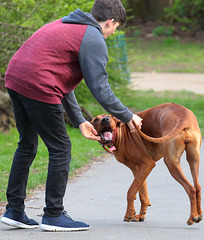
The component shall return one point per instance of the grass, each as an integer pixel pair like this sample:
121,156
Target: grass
82,151
165,55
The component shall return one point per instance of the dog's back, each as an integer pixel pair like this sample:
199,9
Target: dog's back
163,122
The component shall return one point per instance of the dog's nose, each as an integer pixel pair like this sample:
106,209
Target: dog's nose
105,119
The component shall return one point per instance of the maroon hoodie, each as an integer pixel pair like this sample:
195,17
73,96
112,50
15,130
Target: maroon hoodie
53,61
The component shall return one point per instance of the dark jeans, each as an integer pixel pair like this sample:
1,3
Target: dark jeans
33,118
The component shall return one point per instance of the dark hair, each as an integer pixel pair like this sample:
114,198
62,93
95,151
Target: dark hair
109,9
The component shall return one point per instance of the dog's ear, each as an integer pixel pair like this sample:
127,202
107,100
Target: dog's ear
92,120
115,119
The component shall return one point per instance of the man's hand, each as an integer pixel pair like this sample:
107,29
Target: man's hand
138,122
88,131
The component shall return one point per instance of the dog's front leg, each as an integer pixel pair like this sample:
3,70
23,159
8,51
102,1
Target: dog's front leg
142,172
144,200
131,196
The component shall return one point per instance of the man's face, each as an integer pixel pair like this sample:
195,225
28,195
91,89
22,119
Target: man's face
110,28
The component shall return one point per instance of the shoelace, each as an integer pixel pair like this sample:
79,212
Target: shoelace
66,214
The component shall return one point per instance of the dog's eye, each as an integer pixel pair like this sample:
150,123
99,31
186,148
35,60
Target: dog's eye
96,120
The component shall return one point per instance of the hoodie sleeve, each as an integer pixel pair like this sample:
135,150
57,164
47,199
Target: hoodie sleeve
93,58
72,109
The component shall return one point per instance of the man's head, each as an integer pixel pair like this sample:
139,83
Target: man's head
110,14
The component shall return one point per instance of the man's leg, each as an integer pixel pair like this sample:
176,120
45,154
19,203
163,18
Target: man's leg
23,158
49,122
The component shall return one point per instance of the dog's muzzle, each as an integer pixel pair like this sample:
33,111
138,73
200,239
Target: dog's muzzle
107,132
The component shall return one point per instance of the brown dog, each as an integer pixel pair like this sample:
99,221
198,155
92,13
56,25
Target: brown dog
173,129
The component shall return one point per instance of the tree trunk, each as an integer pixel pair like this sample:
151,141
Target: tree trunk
6,112
148,10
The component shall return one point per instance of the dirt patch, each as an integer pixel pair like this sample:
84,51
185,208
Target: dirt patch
146,31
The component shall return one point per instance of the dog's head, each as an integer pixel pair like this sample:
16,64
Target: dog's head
105,125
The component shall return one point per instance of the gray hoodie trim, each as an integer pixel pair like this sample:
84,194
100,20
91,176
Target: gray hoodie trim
79,17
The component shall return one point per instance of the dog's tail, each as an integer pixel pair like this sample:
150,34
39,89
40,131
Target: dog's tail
175,131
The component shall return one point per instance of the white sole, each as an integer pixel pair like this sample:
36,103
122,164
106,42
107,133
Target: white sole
17,224
60,229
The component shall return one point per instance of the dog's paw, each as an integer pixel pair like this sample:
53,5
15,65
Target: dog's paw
193,220
141,219
200,218
127,218
135,218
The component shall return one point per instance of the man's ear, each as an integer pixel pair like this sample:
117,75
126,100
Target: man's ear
109,22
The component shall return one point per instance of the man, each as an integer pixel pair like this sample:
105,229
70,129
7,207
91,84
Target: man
42,75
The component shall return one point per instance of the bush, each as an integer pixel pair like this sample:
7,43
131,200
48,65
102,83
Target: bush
162,30
20,19
187,12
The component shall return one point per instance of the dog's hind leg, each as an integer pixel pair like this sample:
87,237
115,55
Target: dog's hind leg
193,158
143,170
172,153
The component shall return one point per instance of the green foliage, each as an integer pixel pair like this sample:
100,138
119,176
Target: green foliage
19,19
187,12
163,31
137,33
35,13
83,94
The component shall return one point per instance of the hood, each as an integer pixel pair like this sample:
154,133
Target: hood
79,17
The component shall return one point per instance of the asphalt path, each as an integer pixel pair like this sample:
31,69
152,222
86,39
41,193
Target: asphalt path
97,196
168,81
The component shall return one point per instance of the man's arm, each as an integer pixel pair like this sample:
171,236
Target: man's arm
72,109
93,58
74,113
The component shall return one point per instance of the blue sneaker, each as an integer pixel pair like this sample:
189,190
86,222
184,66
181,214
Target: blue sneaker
19,220
63,223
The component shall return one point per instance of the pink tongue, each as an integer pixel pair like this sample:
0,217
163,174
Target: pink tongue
108,135
113,148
